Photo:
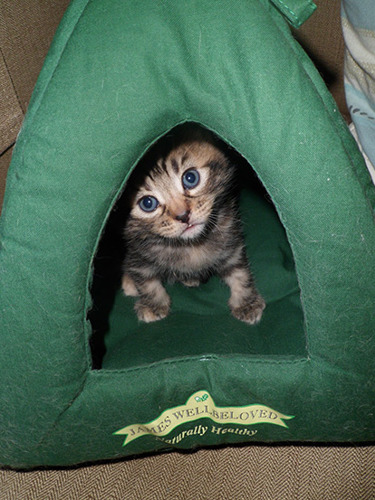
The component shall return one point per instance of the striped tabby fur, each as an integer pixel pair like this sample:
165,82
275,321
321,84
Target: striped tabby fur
193,232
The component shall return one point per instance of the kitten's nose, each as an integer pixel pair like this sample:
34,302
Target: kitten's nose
183,217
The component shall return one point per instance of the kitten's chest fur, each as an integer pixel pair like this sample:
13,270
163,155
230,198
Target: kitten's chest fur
200,258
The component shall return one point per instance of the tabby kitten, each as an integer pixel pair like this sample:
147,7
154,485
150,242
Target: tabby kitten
183,225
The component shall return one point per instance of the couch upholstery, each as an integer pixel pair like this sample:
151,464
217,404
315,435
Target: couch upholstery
332,472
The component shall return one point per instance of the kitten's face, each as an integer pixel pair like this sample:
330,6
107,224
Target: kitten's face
177,197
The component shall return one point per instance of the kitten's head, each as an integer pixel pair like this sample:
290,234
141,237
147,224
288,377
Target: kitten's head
178,197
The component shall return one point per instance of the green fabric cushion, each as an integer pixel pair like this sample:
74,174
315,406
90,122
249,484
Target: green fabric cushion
120,75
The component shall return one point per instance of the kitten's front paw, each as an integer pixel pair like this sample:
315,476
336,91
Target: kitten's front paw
250,311
149,314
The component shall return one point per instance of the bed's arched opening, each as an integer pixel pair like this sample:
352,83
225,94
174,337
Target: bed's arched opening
200,323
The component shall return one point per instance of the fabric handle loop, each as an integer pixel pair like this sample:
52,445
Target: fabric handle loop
296,11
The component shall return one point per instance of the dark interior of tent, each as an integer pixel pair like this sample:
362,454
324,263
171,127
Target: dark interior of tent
200,323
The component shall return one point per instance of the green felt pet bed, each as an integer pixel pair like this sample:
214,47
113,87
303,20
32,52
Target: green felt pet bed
81,378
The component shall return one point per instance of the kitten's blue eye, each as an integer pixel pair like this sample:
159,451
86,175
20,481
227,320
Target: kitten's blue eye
148,203
190,179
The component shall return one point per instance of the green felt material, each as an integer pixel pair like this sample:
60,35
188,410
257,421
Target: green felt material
119,75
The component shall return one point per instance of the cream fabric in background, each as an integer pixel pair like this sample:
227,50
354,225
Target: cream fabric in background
358,23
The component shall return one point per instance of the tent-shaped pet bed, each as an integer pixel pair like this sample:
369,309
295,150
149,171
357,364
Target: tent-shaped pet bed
120,75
